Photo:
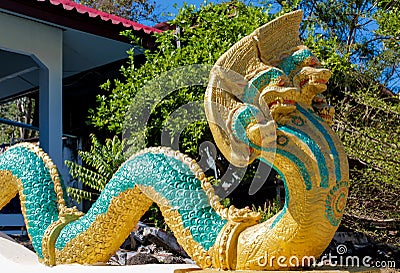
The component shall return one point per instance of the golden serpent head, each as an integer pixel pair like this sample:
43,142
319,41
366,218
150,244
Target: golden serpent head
276,92
323,109
271,72
296,78
304,71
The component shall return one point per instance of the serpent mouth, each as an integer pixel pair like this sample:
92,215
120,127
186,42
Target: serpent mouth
312,80
280,100
323,109
282,106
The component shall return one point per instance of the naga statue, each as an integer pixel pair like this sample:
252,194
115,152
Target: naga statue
263,102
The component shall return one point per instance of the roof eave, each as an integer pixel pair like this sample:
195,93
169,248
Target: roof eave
57,14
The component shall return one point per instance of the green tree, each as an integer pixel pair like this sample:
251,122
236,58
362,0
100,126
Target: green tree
135,10
19,110
220,25
364,32
388,18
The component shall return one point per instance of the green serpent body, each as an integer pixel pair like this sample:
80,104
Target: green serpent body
170,178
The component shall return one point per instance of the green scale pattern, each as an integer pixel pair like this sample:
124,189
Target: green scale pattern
169,177
38,187
241,120
261,80
295,61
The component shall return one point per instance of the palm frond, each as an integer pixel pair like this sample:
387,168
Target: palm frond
102,161
86,176
80,195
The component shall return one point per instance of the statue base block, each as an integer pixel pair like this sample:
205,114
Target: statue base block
320,270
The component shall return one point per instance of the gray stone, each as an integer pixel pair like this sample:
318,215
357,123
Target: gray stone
142,258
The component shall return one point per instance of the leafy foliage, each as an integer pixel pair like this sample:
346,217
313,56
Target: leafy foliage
19,110
268,210
364,32
135,10
220,25
388,18
369,126
102,161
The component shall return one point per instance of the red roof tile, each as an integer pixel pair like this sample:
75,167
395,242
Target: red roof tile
116,20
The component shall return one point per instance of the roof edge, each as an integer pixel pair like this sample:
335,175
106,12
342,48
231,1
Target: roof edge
69,5
68,14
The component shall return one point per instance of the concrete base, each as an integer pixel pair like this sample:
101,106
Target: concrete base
16,258
320,270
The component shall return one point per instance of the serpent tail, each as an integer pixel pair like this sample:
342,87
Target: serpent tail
173,180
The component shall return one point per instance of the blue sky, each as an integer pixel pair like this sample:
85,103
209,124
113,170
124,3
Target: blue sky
167,6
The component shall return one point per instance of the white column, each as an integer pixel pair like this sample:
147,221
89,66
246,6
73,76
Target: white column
50,113
44,44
